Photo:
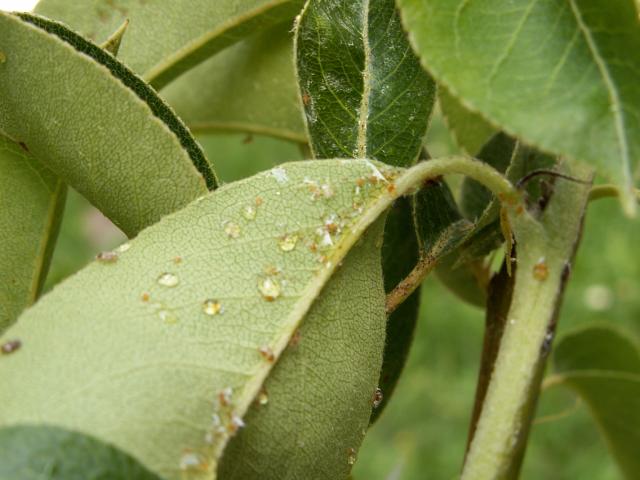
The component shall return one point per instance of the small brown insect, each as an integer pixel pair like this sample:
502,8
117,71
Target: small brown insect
107,257
295,339
306,99
145,297
540,270
267,354
10,346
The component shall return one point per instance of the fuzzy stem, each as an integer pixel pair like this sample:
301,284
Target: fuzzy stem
544,249
475,169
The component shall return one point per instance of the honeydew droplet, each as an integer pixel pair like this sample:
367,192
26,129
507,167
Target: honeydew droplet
263,397
269,288
168,280
232,230
288,242
249,212
107,257
280,175
167,316
212,307
351,456
123,248
192,461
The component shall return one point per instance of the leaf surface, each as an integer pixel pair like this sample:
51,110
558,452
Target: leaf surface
602,365
363,90
208,299
469,129
249,87
96,125
166,38
563,76
34,453
32,200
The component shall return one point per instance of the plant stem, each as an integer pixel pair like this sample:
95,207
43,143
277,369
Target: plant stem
426,170
544,249
608,191
410,283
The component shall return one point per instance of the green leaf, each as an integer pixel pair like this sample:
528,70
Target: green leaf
563,76
35,453
498,152
364,92
602,365
249,87
147,343
169,37
399,255
469,130
112,44
96,125
32,200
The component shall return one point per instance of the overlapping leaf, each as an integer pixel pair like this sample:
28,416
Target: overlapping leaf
561,75
95,124
34,453
32,200
364,92
189,319
167,37
365,95
602,365
250,87
469,129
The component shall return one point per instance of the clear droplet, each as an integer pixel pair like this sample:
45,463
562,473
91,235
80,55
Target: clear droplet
232,230
123,248
168,280
249,212
377,397
269,288
212,307
167,316
351,456
263,397
107,257
10,347
288,242
192,461
280,174
215,420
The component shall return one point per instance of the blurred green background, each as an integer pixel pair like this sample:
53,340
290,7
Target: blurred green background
422,433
